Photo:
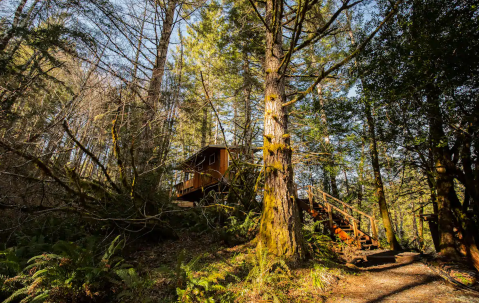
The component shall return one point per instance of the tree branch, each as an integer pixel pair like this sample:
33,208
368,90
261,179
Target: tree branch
324,73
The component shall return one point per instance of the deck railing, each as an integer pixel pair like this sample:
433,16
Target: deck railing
184,187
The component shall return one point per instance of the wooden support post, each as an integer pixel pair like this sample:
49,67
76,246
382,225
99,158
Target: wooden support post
310,196
355,228
324,197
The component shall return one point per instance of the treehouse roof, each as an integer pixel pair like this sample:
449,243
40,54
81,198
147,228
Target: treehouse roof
212,147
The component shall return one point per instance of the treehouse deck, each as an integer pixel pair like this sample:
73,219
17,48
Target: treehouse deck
345,221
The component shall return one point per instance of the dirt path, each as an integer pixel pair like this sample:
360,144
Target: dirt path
397,282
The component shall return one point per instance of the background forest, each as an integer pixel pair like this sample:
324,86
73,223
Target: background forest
373,102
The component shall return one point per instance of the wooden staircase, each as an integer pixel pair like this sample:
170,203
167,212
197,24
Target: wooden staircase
342,219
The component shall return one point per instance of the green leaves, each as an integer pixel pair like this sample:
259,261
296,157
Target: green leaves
78,271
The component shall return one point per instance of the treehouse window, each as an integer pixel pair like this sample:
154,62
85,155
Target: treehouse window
187,176
212,159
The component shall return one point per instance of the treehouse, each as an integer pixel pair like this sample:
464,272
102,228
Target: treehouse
206,170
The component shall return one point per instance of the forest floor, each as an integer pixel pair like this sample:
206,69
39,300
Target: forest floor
397,282
372,283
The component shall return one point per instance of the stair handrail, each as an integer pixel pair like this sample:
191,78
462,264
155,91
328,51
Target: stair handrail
372,220
341,211
344,203
310,196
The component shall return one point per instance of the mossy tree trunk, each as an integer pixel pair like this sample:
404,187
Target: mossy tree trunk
280,228
383,208
444,180
444,185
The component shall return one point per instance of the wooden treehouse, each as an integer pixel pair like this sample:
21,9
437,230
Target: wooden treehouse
348,223
206,170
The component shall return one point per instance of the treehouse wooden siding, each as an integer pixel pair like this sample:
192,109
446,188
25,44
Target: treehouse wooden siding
211,173
207,167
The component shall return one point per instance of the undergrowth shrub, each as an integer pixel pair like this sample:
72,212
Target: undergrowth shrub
10,265
74,273
195,286
239,231
320,245
269,279
322,277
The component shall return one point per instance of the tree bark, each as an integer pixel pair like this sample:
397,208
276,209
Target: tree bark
247,88
204,126
383,208
327,143
444,178
421,227
361,178
467,228
154,89
156,117
280,227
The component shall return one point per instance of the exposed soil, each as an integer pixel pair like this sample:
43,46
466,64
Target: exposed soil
397,282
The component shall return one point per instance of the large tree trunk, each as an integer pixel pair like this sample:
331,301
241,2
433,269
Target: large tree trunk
383,208
467,228
280,228
444,184
444,179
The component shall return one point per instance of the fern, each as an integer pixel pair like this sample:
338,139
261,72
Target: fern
16,294
194,288
40,298
76,271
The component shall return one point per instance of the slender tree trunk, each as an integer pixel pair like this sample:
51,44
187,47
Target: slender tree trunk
414,224
326,183
8,35
361,179
431,181
154,89
421,227
235,122
204,126
247,88
327,143
334,184
280,228
383,208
